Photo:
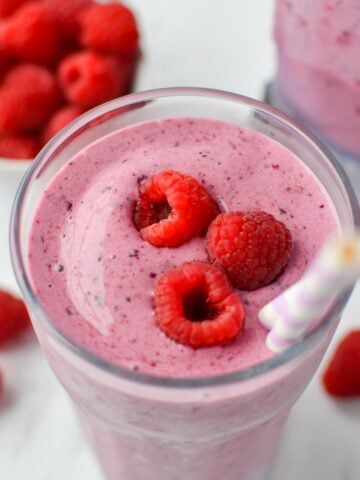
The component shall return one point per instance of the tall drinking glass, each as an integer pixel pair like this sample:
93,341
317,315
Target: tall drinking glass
318,79
154,428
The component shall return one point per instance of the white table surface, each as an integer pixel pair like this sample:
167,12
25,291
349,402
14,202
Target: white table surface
214,43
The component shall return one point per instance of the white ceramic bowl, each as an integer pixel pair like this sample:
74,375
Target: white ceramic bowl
10,166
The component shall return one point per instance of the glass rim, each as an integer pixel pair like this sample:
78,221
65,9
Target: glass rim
43,318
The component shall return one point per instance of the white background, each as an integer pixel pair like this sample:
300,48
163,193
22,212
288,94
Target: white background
214,43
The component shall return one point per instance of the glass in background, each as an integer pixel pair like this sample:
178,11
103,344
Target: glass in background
318,77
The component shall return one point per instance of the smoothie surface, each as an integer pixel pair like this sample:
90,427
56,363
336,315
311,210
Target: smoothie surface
94,274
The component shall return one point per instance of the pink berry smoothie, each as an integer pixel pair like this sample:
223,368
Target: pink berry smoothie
318,66
95,275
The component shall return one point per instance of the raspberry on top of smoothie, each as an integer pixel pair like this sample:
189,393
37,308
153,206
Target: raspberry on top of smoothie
253,247
195,305
173,208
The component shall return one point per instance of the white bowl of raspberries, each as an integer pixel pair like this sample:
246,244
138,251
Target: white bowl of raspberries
58,58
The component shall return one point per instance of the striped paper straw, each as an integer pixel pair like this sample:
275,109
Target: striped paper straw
289,315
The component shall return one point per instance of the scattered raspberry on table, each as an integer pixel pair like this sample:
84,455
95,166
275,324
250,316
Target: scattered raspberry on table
342,375
14,317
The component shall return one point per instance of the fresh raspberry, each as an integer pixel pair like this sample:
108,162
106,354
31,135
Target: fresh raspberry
128,67
30,35
7,7
5,61
110,28
342,376
65,15
28,97
19,146
252,247
14,317
195,305
89,79
173,208
59,120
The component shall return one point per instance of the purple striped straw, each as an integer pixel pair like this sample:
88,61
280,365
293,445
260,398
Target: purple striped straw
289,315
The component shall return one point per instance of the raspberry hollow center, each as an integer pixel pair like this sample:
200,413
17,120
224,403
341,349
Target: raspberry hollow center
197,307
161,211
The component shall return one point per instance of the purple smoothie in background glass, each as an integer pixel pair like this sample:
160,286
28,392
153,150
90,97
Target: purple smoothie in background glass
318,80
152,408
